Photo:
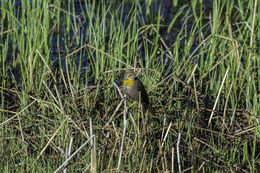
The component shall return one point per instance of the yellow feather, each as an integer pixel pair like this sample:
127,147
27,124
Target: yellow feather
129,82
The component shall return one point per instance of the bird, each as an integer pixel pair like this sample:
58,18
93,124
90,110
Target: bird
134,89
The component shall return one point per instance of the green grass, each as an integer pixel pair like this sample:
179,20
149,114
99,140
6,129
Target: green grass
210,95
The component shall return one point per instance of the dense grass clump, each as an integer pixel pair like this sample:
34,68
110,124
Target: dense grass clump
61,63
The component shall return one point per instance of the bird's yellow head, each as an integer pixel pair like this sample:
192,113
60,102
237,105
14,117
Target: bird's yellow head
129,78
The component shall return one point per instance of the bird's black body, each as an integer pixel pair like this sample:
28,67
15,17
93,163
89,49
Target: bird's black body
136,91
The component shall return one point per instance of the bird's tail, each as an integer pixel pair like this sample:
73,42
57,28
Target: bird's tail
149,109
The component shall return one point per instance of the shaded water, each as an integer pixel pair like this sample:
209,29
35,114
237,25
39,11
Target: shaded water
63,43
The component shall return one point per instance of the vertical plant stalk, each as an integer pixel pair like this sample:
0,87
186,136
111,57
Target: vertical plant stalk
218,97
67,154
31,71
164,139
122,142
172,159
93,149
122,145
195,94
252,31
178,151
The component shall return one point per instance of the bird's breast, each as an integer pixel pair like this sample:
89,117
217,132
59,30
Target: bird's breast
128,83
